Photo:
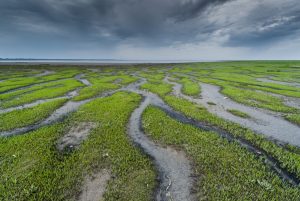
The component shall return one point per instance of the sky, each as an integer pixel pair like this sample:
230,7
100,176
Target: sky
150,29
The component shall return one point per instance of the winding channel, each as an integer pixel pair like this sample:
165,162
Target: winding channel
261,122
175,171
173,166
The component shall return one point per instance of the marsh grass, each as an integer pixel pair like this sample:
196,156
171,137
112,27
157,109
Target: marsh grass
225,171
35,170
28,116
239,113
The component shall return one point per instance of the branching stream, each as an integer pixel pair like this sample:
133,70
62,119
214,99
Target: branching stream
173,166
261,122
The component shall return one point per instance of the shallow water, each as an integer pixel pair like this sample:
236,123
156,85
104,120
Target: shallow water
173,166
261,122
293,84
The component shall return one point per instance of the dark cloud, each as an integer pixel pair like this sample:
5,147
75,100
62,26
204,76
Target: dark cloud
153,23
121,19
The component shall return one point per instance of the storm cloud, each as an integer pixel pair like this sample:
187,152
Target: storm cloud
110,26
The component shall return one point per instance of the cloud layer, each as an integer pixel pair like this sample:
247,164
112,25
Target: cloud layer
112,28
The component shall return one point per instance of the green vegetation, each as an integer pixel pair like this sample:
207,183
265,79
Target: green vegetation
295,118
257,99
102,84
32,167
287,159
223,168
189,87
19,82
60,89
35,170
238,113
210,103
28,116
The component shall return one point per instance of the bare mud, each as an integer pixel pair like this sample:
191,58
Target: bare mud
82,80
261,122
94,186
293,84
77,134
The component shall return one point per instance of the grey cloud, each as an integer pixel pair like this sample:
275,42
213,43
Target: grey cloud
107,24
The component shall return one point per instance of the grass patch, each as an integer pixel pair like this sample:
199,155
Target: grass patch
295,118
189,87
28,116
211,103
44,93
239,113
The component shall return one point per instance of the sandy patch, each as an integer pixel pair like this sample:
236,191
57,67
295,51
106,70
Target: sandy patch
94,186
76,135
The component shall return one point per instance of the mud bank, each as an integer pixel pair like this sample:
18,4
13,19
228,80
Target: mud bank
261,122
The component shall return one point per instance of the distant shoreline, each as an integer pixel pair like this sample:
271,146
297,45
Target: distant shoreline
88,62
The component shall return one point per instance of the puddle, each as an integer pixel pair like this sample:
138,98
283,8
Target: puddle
94,186
77,134
83,81
264,122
